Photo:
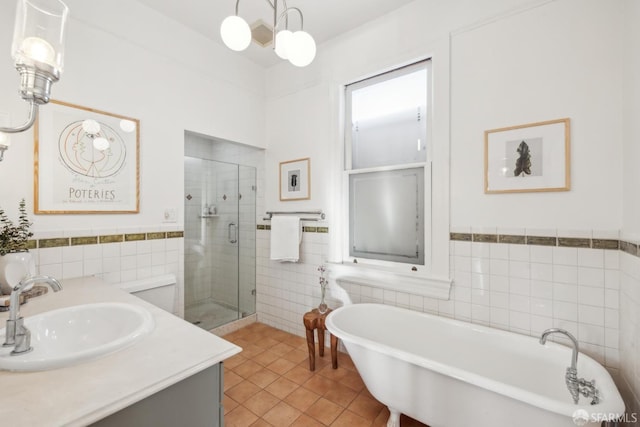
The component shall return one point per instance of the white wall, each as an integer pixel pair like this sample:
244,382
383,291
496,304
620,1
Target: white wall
124,58
630,266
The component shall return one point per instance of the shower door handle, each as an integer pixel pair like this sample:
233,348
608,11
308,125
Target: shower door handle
232,238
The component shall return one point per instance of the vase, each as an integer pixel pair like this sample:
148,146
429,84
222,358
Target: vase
13,268
322,307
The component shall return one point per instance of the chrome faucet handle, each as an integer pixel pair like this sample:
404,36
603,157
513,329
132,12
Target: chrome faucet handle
10,334
573,384
589,390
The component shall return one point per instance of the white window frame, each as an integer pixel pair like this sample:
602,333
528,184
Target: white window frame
426,166
433,281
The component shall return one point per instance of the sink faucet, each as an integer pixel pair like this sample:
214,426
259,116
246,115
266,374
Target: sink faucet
17,335
576,386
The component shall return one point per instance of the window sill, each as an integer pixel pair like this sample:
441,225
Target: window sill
412,283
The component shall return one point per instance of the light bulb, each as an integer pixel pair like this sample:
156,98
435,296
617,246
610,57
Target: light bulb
235,33
100,143
283,40
91,127
38,49
302,49
127,126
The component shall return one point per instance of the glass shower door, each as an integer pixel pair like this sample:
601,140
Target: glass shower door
219,242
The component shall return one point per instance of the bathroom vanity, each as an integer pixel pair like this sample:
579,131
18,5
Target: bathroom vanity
173,376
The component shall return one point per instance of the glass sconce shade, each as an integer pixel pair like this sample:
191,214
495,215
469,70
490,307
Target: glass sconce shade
283,39
235,33
301,49
38,37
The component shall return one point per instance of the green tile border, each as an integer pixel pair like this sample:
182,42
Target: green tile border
305,229
134,237
566,242
89,240
58,242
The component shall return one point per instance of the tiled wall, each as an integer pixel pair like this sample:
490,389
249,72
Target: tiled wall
115,256
526,286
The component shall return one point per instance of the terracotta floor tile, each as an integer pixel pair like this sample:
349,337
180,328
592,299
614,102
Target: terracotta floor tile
340,394
261,423
350,419
324,411
240,417
263,377
366,407
302,398
229,404
306,421
282,415
231,379
281,366
234,361
243,391
276,388
281,387
265,358
353,381
299,375
296,356
261,402
247,369
334,374
266,342
319,384
281,349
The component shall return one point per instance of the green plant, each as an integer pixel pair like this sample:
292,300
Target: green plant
15,238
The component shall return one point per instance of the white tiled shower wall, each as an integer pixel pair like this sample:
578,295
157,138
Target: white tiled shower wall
521,288
114,262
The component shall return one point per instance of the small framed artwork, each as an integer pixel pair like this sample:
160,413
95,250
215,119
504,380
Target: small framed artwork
295,180
527,158
86,161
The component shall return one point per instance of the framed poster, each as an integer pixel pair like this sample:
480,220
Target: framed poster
86,161
527,158
295,180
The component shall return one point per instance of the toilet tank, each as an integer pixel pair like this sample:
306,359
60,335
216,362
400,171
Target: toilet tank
159,290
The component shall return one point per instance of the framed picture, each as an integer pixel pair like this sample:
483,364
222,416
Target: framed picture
86,161
295,180
527,158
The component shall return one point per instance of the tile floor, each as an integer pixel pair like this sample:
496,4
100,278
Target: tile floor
269,384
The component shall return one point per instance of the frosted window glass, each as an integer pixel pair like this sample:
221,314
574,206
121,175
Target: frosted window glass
388,121
387,215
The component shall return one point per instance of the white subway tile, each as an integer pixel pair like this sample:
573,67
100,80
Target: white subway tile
542,307
565,256
519,303
499,251
565,311
565,292
519,286
519,252
519,269
612,259
611,318
591,315
565,274
542,272
72,269
50,256
591,334
591,296
591,276
499,267
499,284
540,289
591,258
481,250
541,254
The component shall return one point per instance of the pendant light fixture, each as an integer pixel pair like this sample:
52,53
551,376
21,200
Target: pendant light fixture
296,46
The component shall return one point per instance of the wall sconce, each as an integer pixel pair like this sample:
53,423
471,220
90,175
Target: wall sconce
298,46
38,52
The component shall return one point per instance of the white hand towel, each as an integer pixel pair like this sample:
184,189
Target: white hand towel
286,235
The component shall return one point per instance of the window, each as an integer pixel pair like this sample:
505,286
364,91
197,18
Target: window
387,173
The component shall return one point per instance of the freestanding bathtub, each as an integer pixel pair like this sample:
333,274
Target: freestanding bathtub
448,373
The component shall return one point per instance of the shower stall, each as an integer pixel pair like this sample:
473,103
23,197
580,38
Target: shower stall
220,241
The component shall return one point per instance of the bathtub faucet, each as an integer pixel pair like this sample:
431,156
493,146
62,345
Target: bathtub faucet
576,386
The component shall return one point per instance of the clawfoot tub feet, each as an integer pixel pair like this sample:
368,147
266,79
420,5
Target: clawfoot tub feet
394,418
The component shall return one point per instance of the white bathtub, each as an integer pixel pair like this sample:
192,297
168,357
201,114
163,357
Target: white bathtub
448,373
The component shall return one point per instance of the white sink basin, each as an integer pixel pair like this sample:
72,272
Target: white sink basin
74,334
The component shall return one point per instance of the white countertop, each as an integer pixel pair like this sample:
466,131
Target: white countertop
89,391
